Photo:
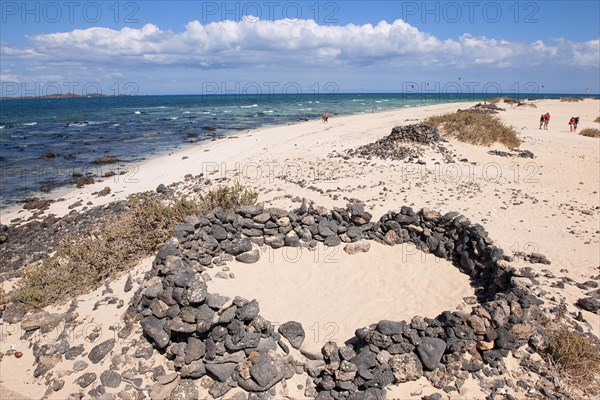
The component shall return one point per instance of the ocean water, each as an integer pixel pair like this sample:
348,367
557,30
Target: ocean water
45,141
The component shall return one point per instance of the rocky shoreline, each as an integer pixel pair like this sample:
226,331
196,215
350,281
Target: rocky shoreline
21,245
23,242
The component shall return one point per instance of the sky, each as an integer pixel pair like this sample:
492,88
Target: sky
270,47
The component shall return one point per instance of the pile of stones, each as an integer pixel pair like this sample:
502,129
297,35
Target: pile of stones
408,143
488,108
513,153
421,133
478,111
228,339
591,302
21,245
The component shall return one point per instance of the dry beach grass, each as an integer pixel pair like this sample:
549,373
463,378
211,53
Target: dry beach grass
590,132
575,359
83,262
475,128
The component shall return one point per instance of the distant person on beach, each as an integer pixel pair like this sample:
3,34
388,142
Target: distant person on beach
571,123
325,118
575,124
541,121
546,120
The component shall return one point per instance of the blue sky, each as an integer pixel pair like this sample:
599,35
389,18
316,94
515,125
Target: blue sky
160,47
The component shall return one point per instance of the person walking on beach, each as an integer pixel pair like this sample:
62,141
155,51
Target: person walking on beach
571,123
325,118
575,124
541,121
546,120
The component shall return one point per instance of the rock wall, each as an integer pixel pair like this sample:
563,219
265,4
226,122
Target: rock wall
227,339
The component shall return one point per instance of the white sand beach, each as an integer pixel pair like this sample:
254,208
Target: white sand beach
548,205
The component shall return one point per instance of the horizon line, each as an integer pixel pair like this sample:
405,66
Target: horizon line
432,94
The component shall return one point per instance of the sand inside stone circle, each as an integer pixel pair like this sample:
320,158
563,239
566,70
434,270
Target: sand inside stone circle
333,293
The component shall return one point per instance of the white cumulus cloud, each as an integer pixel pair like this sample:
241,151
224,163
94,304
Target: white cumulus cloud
281,43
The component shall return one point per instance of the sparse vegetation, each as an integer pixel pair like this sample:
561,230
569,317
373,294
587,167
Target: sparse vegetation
478,129
571,99
503,99
3,298
512,102
228,197
530,105
576,360
597,119
82,263
590,132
